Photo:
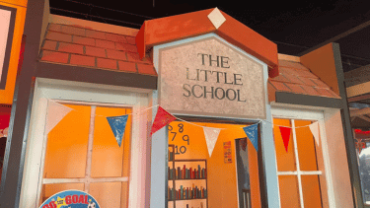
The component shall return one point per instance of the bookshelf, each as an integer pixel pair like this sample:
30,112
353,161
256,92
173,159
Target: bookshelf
181,175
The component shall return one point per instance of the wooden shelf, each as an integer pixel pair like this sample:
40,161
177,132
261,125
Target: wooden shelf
172,162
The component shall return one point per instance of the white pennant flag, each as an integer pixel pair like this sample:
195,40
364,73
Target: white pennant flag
56,113
314,127
211,135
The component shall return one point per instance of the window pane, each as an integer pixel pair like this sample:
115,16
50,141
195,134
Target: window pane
67,145
285,160
108,159
107,194
306,146
311,191
51,189
289,193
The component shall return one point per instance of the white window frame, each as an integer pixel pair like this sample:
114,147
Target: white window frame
92,94
300,113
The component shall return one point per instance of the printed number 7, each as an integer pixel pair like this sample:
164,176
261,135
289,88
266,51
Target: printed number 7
174,135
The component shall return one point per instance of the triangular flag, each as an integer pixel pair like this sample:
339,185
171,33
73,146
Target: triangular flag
161,120
211,135
252,133
118,126
314,127
56,112
285,134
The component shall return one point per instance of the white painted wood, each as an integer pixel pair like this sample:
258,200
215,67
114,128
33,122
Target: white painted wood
318,114
82,180
90,149
296,154
83,93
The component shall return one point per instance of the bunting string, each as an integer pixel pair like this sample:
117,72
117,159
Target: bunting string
180,119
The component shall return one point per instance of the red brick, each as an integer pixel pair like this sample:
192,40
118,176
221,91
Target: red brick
105,44
134,57
288,71
54,56
130,40
293,79
319,83
280,78
82,60
146,69
307,74
126,47
50,45
280,86
291,64
296,88
127,66
59,37
84,40
307,82
107,63
74,30
55,27
114,54
94,51
310,90
95,34
71,48
116,38
324,92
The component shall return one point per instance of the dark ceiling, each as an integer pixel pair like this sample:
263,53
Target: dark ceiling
295,27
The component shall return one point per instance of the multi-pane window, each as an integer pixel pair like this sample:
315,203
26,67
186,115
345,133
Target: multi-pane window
299,169
82,153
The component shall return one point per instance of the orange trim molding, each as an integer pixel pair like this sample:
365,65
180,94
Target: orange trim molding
169,29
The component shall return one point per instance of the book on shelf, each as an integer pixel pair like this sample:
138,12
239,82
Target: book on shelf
183,193
187,173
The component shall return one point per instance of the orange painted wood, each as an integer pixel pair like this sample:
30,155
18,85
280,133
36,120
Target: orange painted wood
321,62
193,24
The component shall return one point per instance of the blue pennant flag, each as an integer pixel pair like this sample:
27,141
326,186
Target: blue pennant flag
252,133
118,125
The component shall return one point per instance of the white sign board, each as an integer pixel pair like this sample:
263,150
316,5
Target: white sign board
208,77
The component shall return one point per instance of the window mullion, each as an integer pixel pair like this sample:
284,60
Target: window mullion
89,149
297,164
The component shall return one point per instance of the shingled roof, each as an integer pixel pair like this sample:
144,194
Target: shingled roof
296,78
75,45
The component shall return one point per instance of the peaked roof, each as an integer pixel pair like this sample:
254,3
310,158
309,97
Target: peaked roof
168,29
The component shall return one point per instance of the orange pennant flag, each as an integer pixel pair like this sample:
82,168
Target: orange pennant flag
161,120
285,134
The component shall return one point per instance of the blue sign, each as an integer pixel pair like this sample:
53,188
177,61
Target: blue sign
70,199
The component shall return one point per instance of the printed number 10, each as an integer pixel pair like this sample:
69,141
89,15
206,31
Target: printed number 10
182,150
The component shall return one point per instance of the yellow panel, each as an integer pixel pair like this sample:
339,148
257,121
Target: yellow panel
51,189
66,150
6,96
285,160
289,194
306,146
108,159
221,181
107,194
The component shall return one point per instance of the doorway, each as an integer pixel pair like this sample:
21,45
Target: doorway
197,179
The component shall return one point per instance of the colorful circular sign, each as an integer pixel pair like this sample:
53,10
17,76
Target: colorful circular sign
70,199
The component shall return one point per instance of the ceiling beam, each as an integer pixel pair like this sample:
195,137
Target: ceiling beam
359,98
359,89
365,118
360,112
